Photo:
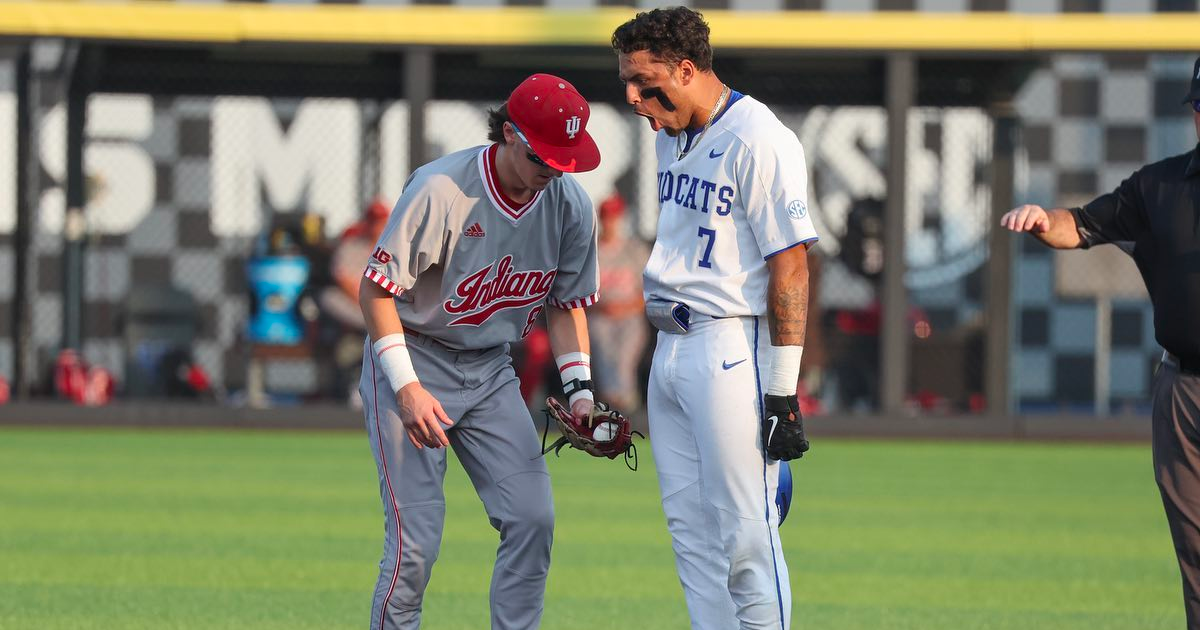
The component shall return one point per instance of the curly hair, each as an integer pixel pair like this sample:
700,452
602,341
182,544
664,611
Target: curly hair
496,119
672,34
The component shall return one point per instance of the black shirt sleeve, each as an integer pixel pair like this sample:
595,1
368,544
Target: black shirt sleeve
1117,216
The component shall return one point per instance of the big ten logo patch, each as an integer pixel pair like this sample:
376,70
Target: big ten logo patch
382,255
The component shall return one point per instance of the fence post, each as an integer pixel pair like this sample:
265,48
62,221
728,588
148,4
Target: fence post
74,221
900,85
999,265
418,90
26,196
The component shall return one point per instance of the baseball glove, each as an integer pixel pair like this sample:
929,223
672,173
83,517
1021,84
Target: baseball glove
605,432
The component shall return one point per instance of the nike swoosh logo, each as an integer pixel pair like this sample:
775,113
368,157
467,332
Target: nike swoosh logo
712,153
725,365
771,433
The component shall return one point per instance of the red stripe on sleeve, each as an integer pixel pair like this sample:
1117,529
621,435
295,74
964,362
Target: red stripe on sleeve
576,303
383,281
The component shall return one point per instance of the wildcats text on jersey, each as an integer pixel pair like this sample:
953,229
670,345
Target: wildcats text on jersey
688,191
481,298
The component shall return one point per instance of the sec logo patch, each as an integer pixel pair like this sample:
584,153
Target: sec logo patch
797,210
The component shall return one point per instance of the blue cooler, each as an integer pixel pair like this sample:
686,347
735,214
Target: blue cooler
277,282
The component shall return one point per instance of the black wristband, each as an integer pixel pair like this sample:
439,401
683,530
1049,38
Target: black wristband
574,385
781,404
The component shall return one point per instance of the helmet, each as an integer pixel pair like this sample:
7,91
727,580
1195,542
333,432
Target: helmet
783,495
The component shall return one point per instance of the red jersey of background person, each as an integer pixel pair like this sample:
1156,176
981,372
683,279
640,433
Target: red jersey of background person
372,223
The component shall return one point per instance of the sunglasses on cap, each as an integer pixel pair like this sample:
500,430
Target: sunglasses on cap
529,154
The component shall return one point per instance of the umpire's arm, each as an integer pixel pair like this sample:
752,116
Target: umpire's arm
1056,228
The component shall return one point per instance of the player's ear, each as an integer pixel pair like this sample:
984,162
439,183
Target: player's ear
687,71
510,134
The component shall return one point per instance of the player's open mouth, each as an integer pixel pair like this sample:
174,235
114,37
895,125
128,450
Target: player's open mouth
654,124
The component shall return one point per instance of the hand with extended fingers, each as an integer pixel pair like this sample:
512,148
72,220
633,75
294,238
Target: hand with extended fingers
1027,218
423,417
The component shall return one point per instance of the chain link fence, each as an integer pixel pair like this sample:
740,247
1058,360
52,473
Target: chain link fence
946,222
186,193
198,205
1083,338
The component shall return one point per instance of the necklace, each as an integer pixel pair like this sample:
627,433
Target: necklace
712,115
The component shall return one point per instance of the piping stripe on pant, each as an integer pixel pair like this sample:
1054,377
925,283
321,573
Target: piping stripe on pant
762,412
391,495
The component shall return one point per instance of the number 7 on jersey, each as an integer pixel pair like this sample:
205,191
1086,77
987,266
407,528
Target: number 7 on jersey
705,260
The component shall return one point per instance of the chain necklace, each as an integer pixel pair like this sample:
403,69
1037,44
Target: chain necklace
712,115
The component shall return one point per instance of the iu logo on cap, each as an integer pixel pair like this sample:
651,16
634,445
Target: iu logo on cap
573,126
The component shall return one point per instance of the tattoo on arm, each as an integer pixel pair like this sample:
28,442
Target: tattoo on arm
789,313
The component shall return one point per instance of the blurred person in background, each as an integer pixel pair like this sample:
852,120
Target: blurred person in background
1156,213
618,323
339,299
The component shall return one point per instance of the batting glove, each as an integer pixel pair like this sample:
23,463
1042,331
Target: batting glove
783,428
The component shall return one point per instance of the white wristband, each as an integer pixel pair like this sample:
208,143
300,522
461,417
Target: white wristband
394,360
574,366
785,370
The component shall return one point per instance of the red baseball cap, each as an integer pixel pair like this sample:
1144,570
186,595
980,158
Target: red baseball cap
552,117
379,210
614,205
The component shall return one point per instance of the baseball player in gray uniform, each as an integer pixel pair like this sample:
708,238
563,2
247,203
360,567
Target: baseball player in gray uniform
479,242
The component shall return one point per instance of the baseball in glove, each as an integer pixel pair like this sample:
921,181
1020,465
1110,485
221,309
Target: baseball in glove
605,432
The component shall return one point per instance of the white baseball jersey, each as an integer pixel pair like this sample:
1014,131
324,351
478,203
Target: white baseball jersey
473,269
735,199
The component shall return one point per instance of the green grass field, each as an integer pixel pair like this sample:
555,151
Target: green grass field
173,529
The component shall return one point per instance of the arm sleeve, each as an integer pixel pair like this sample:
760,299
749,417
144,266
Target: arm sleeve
413,240
775,178
577,282
1117,216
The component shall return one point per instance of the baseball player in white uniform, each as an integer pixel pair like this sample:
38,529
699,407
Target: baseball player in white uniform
479,242
727,287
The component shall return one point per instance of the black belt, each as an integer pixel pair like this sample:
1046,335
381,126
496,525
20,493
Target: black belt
1185,365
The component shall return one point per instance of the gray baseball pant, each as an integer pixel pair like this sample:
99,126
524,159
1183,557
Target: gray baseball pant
1176,446
495,440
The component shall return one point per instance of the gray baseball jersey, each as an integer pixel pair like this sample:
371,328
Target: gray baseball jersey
473,269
